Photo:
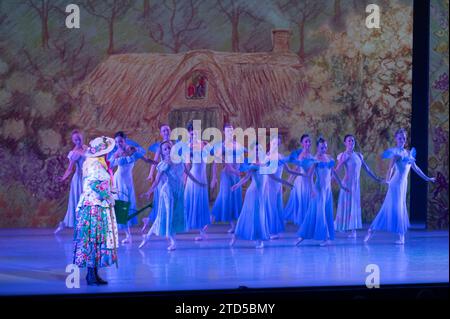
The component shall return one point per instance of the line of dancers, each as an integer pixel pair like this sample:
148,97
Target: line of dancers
181,200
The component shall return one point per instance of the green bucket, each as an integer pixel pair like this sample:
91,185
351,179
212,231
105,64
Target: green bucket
121,208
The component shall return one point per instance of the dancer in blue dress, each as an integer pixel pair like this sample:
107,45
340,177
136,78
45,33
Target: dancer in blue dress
300,196
253,223
127,153
348,215
273,200
318,222
228,204
164,131
170,218
393,214
196,198
76,159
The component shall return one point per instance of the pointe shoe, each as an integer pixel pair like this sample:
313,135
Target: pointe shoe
400,241
144,241
272,237
127,240
146,222
260,245
368,236
324,243
299,241
231,230
172,247
352,235
59,228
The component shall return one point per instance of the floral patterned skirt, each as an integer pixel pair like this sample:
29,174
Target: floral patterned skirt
92,233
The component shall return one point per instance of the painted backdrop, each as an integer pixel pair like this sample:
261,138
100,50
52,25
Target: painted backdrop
356,80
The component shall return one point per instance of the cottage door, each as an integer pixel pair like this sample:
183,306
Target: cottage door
210,117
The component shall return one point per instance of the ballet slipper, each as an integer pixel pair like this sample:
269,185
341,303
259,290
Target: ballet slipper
324,243
146,221
352,234
59,228
144,241
368,236
299,241
401,240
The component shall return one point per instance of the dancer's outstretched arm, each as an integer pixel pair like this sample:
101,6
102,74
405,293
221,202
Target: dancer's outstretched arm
154,185
68,170
339,181
295,172
192,177
369,171
280,180
241,182
422,174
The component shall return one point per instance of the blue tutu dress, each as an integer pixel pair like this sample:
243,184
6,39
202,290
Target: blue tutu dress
318,223
196,199
252,223
76,188
300,196
123,178
393,214
348,214
273,201
228,204
170,218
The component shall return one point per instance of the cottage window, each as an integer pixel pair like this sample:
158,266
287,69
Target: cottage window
196,86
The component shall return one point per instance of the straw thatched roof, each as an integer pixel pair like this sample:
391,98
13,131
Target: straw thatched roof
137,90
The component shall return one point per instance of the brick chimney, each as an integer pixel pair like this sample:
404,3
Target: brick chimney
280,40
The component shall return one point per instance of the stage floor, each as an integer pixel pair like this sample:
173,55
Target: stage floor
33,261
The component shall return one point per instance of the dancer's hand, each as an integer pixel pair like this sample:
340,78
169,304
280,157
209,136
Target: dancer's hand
150,178
234,187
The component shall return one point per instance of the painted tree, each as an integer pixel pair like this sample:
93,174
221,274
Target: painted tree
42,8
110,11
233,10
300,13
175,24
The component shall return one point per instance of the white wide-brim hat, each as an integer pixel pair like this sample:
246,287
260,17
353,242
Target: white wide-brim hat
100,146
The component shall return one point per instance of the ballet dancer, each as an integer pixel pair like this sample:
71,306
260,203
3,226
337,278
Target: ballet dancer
76,159
170,218
348,215
196,198
252,223
126,155
273,200
164,131
95,235
318,221
228,204
300,196
393,214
